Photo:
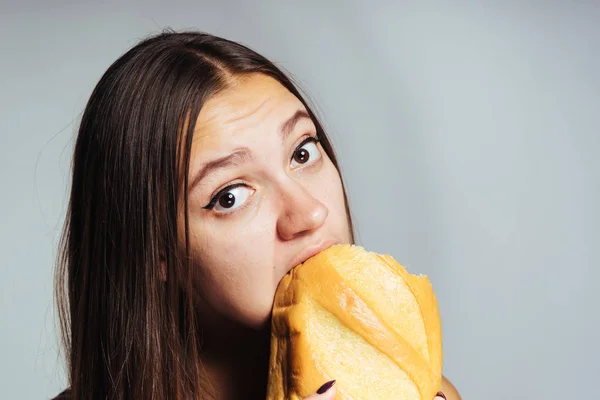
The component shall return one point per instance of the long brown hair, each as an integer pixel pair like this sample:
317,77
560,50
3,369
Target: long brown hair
127,333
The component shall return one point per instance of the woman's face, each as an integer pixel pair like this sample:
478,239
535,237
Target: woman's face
263,197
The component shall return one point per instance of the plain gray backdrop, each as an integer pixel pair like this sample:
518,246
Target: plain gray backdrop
468,134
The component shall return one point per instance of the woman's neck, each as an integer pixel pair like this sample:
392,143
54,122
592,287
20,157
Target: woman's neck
236,363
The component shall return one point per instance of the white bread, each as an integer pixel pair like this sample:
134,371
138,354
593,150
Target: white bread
360,318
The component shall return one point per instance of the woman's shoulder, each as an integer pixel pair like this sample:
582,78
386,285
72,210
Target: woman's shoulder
64,395
449,389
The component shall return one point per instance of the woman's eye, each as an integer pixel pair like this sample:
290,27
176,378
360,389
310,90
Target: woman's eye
230,198
307,152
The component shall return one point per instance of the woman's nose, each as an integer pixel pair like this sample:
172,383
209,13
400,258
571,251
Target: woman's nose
301,212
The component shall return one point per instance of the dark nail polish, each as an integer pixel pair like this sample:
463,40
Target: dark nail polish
325,387
442,395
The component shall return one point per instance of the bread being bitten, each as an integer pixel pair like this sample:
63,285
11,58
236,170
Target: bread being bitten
360,318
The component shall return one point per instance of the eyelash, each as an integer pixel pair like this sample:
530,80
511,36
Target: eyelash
213,201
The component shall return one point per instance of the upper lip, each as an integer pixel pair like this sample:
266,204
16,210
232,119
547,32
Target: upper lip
310,251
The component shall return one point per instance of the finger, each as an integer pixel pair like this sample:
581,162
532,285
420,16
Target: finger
325,392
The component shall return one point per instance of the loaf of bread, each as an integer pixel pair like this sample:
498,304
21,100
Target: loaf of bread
360,318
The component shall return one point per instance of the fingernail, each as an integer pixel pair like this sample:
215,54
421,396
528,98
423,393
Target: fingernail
325,387
440,394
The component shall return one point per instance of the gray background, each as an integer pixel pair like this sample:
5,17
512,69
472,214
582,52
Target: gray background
468,135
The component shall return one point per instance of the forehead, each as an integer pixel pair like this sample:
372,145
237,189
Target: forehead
252,104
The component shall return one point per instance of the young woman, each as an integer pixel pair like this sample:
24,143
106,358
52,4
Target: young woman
200,178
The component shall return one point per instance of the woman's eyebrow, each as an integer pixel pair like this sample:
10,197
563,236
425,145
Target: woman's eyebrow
243,154
239,156
288,126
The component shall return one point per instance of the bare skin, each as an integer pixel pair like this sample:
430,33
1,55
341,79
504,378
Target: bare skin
288,198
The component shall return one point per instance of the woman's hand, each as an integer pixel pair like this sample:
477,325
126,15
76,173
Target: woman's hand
327,392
